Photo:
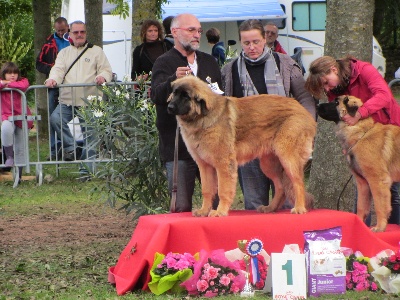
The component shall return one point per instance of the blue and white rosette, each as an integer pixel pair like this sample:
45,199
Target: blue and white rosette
253,248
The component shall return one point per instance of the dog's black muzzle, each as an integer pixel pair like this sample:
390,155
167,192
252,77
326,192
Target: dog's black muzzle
328,111
172,108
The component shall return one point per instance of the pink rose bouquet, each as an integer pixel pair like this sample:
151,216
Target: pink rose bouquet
169,271
215,275
358,277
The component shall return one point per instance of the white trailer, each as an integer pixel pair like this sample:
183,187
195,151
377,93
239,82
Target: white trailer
301,25
305,27
117,33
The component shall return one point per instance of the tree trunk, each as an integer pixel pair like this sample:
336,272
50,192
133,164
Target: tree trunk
94,21
42,28
348,31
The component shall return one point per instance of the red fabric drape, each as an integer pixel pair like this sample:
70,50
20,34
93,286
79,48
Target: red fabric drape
181,232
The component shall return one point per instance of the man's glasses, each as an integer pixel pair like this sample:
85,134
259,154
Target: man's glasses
270,32
192,30
77,32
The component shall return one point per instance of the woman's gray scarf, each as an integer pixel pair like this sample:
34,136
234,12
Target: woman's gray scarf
273,79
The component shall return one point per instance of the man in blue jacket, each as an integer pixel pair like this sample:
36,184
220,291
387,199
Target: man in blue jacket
45,61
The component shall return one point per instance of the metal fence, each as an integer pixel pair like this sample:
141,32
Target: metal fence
38,150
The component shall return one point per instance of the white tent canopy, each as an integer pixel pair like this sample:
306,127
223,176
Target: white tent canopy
225,10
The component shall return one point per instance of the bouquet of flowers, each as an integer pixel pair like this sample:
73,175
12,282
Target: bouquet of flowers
392,262
215,275
386,265
357,275
169,271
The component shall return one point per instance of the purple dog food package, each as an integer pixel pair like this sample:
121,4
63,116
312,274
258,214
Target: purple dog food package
326,264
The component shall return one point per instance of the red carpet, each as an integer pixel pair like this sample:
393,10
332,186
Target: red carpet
183,233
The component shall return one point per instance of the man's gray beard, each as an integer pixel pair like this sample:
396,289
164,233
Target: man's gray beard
189,48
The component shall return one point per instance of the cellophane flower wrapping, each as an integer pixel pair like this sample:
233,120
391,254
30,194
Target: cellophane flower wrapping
214,275
169,271
386,265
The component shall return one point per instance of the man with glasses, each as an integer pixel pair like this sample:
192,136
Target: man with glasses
258,70
45,60
271,35
71,68
182,60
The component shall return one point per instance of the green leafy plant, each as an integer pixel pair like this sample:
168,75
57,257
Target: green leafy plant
11,47
124,129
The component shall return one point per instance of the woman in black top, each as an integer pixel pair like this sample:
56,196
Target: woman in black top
152,47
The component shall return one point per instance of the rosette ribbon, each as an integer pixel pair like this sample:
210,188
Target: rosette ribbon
253,248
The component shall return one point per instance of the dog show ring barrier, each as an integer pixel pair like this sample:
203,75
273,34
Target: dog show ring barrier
34,157
33,150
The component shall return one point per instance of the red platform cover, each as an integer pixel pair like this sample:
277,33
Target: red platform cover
181,232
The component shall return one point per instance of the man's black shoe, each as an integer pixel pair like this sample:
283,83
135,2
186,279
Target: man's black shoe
51,157
69,156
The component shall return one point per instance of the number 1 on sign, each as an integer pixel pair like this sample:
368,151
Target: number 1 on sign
293,267
289,271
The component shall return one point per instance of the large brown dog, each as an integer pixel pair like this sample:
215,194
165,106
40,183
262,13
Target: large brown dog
223,132
373,153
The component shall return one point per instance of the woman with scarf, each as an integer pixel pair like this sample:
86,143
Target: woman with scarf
258,70
349,76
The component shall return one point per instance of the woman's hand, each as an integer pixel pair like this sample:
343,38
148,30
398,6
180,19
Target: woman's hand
351,121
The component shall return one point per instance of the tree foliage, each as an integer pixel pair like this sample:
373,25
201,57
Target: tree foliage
16,25
11,46
122,9
386,22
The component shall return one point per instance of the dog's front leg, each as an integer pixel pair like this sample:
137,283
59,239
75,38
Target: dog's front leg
208,188
227,180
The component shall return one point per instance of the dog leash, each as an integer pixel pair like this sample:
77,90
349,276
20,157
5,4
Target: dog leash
348,150
341,193
174,190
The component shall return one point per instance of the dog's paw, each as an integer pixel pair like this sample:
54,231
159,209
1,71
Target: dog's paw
265,209
201,212
298,210
378,229
217,213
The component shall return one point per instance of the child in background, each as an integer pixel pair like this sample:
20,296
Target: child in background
12,138
218,49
